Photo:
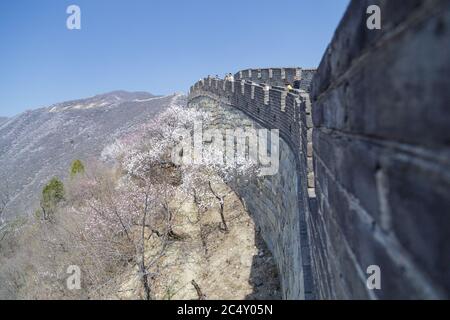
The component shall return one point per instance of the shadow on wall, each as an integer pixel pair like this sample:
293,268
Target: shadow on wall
263,275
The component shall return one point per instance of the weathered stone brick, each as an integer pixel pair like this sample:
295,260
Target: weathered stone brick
377,140
419,207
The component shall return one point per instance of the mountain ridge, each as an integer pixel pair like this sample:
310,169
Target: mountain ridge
105,99
40,144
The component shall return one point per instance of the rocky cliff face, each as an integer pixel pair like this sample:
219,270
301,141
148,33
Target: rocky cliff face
39,144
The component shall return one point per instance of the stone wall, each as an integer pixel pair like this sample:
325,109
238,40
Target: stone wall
371,150
382,159
272,200
277,76
273,107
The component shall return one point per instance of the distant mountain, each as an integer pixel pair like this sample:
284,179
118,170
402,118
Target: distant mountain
40,144
111,99
3,119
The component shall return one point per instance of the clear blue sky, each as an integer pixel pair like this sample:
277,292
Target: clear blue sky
159,46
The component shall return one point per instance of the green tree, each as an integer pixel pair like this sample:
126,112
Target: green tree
77,167
52,194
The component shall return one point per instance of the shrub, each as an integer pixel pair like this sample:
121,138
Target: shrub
52,194
77,167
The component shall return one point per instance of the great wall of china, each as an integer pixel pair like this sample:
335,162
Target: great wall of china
365,171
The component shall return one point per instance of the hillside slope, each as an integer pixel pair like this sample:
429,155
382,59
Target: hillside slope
37,145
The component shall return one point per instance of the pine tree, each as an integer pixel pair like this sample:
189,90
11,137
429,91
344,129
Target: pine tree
52,194
77,167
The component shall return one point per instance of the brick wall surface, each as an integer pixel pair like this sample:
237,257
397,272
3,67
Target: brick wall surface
381,151
290,112
271,200
371,141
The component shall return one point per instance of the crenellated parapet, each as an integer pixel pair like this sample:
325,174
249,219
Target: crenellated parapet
277,76
274,107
